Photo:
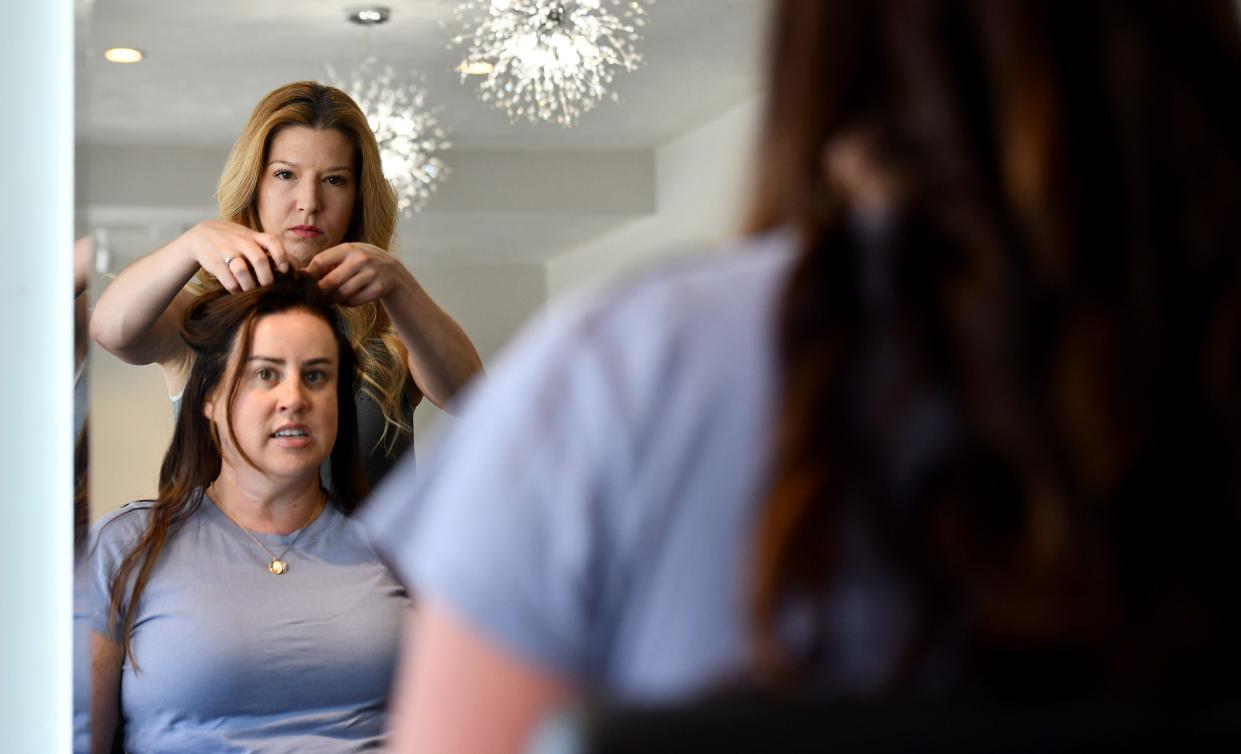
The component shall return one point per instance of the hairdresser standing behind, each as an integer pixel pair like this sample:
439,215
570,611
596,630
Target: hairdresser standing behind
303,188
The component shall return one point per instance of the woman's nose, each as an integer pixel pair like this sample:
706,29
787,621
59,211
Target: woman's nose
292,395
308,197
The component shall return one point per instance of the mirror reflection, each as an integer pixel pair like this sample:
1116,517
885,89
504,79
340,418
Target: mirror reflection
210,177
527,212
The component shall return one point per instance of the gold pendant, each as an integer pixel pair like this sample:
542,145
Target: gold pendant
277,567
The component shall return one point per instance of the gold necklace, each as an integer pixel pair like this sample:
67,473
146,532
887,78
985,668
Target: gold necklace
277,565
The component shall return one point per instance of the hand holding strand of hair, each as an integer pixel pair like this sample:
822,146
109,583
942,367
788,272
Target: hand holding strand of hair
357,273
240,258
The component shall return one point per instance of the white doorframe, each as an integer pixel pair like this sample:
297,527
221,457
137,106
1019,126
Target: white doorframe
36,376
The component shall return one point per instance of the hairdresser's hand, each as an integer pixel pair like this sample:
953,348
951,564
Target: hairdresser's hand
240,258
439,355
358,273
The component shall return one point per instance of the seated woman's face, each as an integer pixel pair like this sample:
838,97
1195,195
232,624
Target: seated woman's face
284,415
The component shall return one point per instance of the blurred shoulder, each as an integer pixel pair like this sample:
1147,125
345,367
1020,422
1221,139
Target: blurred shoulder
695,308
721,281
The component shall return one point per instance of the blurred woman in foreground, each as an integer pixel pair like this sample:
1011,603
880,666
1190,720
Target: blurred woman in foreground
961,417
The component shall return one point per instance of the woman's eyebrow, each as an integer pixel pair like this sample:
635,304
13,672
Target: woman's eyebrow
307,362
333,169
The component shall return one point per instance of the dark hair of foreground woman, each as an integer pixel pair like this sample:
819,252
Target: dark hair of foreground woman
1058,183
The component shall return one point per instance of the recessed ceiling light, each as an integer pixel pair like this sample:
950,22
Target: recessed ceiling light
476,67
122,55
368,16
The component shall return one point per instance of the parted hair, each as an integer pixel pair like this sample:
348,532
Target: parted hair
1021,379
381,353
216,326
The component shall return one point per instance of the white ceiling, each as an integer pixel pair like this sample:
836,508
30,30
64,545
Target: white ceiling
209,61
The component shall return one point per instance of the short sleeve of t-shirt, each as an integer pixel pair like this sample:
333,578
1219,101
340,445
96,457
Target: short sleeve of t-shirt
532,515
111,539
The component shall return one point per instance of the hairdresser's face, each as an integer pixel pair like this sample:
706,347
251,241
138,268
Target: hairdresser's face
284,414
308,190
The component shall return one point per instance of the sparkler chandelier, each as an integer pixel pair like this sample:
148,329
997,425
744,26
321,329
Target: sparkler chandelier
407,129
552,60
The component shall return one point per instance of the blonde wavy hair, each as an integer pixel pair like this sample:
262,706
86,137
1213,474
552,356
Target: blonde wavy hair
381,354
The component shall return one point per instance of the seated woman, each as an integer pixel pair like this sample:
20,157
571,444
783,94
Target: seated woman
244,609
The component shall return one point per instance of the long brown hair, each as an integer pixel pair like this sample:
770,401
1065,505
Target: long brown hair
1020,378
381,353
81,486
216,325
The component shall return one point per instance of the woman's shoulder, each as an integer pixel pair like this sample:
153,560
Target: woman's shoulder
118,530
687,316
699,286
131,515
690,313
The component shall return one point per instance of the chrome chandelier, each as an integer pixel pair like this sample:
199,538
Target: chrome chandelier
407,129
551,60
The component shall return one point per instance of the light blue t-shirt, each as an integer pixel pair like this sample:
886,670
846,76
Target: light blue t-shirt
594,509
234,659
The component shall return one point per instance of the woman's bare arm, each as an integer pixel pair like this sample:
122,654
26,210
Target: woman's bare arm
105,691
138,315
442,360
452,677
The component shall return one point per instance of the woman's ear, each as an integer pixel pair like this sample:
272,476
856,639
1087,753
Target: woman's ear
209,403
209,406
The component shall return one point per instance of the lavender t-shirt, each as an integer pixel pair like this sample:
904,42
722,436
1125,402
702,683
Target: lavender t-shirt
234,659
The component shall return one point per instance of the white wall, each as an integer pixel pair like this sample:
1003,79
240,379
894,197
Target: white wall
700,186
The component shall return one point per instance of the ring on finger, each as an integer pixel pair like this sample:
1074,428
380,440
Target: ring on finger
229,259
